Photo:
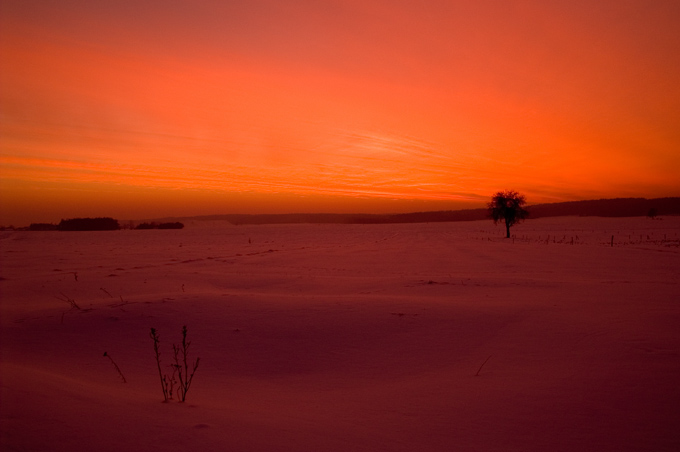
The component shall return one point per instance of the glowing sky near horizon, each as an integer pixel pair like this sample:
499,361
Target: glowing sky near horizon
139,109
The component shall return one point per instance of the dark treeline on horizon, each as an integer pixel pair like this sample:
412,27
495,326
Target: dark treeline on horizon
97,224
154,225
89,224
618,207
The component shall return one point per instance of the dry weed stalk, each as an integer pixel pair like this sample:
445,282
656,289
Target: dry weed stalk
180,368
116,366
480,367
70,301
167,383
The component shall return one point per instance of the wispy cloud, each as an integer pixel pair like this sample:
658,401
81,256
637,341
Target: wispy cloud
444,101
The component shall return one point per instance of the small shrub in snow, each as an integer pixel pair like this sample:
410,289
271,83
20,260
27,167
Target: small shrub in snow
167,383
180,368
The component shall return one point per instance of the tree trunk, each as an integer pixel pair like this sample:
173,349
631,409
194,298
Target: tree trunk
507,230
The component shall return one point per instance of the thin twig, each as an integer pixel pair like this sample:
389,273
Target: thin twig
480,367
116,366
156,340
70,301
182,366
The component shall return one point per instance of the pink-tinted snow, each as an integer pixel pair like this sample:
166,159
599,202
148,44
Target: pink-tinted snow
346,337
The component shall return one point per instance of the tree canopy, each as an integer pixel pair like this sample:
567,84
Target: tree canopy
508,206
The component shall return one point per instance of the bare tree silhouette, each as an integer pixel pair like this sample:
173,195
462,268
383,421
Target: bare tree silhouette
508,206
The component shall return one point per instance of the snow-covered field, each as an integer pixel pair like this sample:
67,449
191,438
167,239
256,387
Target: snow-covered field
346,337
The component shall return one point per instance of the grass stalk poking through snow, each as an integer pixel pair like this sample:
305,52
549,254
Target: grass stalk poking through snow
480,367
70,301
116,366
166,383
182,366
73,304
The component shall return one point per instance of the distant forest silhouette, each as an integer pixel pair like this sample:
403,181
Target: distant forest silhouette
89,224
97,224
619,207
154,225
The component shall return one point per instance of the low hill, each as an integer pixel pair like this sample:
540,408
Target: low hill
619,207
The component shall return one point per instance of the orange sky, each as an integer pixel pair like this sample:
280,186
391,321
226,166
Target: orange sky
139,109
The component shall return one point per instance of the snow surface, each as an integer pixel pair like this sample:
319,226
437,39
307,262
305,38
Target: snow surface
346,337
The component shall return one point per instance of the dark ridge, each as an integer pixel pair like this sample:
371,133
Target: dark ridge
362,218
620,207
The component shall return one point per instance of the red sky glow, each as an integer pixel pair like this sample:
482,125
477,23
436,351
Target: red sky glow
140,109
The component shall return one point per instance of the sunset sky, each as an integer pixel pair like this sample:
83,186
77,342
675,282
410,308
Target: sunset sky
140,109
